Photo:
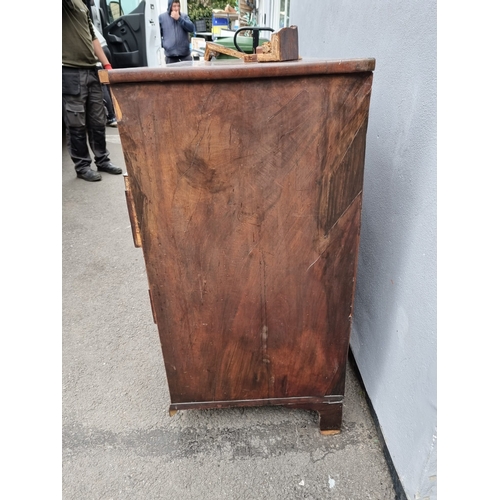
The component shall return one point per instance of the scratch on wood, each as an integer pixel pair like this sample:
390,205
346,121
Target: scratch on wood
282,108
367,86
194,211
315,261
265,332
252,249
203,285
263,335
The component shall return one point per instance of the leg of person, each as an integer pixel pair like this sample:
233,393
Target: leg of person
74,97
175,59
110,110
96,125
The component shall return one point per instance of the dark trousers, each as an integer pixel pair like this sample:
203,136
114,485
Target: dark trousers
108,102
174,59
84,116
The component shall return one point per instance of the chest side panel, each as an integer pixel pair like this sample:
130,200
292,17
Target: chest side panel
248,198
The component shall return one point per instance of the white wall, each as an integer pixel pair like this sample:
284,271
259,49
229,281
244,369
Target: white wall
394,327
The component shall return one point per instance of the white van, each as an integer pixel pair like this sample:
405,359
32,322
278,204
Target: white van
131,30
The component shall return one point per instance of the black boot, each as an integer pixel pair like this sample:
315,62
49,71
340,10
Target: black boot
110,169
89,175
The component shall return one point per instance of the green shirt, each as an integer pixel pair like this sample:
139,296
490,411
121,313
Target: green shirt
77,35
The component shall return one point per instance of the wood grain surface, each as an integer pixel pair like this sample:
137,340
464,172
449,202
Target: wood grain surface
247,195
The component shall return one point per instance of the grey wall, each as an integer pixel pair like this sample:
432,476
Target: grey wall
394,326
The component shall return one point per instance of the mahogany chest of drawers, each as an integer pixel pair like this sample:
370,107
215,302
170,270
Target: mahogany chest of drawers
244,186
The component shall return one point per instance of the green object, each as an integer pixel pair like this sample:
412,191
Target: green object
245,43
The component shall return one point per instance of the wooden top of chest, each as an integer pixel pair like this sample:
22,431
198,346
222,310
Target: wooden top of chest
236,69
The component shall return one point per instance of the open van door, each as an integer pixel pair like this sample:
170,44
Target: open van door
132,33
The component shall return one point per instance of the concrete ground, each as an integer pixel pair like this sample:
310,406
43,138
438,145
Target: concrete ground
119,441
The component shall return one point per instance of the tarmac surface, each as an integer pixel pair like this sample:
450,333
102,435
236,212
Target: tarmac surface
119,441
